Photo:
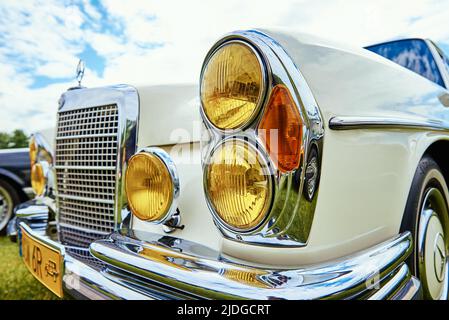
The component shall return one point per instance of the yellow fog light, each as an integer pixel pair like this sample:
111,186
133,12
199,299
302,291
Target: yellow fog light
149,187
38,178
33,150
238,185
232,86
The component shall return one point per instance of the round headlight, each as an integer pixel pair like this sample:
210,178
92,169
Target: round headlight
232,86
149,187
238,185
33,150
38,179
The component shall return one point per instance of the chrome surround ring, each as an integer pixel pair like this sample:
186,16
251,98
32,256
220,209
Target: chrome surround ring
173,172
262,93
267,171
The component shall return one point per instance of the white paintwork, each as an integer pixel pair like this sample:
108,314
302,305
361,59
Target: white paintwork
168,114
366,174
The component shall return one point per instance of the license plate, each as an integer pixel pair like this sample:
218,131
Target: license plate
44,263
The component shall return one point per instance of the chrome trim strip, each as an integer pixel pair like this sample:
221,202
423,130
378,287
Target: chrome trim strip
31,210
411,291
86,230
85,167
86,136
200,271
401,275
351,122
66,196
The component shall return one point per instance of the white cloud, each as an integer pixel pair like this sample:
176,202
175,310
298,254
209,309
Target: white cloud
49,36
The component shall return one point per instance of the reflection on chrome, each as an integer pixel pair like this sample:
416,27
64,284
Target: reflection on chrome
182,265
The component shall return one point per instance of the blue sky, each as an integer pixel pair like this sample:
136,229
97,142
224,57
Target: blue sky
165,41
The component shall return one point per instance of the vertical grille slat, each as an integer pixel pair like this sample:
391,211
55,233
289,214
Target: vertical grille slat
86,168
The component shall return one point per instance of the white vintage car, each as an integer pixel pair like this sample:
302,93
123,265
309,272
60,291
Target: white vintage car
304,169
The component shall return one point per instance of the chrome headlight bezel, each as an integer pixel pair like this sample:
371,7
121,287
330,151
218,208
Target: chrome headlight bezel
173,173
263,90
267,167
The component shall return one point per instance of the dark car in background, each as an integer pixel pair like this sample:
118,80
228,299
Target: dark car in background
14,182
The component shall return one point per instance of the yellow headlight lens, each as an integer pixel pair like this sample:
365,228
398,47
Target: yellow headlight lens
149,187
232,85
238,186
33,150
38,179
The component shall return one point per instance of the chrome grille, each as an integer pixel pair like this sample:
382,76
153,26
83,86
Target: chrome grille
86,167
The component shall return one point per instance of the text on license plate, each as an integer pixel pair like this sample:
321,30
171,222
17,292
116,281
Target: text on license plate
43,262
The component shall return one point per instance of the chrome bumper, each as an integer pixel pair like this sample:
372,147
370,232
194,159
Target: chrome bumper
150,266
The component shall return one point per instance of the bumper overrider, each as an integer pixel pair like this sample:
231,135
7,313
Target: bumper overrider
150,266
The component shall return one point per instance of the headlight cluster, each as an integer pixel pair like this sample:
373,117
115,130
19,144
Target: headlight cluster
258,150
258,126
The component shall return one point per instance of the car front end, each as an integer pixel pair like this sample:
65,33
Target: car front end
144,197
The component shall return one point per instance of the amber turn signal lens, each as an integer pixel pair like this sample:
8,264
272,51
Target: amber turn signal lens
232,85
33,150
238,185
281,129
38,179
149,187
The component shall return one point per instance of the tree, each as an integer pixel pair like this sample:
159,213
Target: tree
17,139
4,140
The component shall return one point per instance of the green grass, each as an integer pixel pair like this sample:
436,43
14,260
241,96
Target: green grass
16,282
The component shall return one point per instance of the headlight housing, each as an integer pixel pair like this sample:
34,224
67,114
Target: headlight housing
274,112
151,185
238,185
232,86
